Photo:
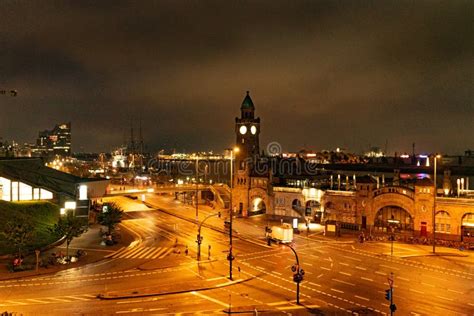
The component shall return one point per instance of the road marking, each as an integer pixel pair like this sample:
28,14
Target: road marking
320,275
427,284
343,282
36,301
308,264
268,261
344,264
210,299
156,253
134,251
367,279
324,268
312,283
290,307
445,298
276,272
381,273
146,253
402,278
116,252
217,278
416,291
166,253
361,268
277,303
415,314
335,290
345,273
389,267
352,258
362,298
314,256
260,268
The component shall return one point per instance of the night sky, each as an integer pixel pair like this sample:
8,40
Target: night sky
322,74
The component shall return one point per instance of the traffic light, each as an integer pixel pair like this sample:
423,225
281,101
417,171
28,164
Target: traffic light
393,307
388,294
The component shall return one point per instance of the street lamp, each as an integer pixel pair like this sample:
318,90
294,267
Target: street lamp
197,187
434,203
298,274
230,257
199,238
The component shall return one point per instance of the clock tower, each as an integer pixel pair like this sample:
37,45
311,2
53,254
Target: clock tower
247,130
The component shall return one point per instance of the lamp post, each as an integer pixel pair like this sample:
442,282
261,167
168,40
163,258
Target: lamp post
197,187
199,238
434,204
230,257
298,274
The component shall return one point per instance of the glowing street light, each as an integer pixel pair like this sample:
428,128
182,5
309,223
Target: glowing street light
434,203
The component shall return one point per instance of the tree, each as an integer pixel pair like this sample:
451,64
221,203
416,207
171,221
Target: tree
20,232
69,227
111,217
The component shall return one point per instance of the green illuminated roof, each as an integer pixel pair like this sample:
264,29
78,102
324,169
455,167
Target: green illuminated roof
247,103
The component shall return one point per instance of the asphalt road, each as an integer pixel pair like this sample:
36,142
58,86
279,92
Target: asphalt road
341,277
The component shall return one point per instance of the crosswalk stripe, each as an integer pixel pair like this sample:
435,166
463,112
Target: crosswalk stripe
122,252
157,254
152,254
146,253
167,253
141,252
132,253
114,253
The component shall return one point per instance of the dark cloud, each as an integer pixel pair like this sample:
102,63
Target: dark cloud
322,73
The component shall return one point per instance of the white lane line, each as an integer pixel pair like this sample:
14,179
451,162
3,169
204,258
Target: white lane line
260,268
216,278
344,264
276,272
402,278
308,264
454,291
445,298
36,301
284,308
210,299
389,267
315,284
314,256
362,298
345,273
471,304
277,303
367,279
352,258
115,253
361,268
343,282
324,268
335,290
416,291
381,273
427,284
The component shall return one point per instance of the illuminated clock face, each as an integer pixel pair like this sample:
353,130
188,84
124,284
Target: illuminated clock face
243,130
253,130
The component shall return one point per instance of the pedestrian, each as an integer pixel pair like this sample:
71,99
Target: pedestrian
238,268
209,252
186,251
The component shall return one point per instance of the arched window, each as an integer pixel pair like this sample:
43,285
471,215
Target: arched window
443,222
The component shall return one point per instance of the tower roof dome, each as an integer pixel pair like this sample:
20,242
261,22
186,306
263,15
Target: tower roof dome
247,103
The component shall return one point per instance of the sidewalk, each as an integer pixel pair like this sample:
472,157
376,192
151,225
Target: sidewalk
90,242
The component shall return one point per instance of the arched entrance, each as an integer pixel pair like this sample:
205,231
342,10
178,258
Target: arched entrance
313,207
467,227
258,206
393,216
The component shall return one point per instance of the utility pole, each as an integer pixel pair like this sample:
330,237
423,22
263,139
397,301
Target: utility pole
434,203
200,238
389,295
298,274
230,257
197,187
